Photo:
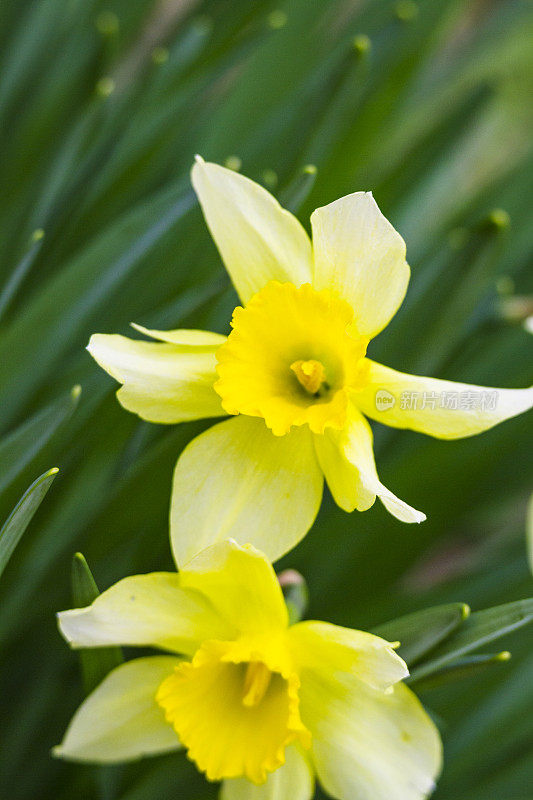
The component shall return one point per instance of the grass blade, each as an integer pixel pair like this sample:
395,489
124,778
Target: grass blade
420,632
96,662
21,446
22,514
480,629
462,668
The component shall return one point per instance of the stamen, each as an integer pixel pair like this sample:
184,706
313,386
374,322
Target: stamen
256,683
311,375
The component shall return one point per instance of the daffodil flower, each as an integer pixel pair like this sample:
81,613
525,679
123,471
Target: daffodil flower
258,704
293,374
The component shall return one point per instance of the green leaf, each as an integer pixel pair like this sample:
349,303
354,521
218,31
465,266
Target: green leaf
21,270
296,193
462,668
23,444
98,661
529,532
86,282
21,516
480,629
420,632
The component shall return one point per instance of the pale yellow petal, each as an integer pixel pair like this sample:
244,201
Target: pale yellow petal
258,240
347,460
120,720
445,409
358,253
293,781
344,479
241,584
369,744
185,337
239,481
163,382
337,650
144,610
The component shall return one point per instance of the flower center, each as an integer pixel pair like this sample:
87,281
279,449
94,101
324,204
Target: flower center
291,358
311,375
234,717
256,682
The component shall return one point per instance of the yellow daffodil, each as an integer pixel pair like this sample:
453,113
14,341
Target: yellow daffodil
258,704
292,374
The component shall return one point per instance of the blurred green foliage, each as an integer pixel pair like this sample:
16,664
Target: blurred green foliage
102,107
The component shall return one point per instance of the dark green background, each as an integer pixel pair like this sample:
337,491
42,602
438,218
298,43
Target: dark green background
435,118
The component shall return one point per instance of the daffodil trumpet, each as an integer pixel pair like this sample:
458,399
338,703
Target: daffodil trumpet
292,375
263,706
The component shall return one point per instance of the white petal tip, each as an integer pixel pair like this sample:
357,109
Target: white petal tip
139,328
198,159
401,510
94,343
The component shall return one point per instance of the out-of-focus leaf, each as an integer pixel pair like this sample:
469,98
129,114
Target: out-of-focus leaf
462,668
96,662
21,516
61,311
420,632
74,508
529,532
22,445
20,271
295,194
479,629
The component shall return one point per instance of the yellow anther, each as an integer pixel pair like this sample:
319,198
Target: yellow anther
311,374
256,683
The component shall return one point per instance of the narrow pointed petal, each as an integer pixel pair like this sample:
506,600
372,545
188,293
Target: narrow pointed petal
358,253
241,584
258,240
239,481
185,337
167,382
368,743
347,459
144,610
445,409
120,720
325,646
293,781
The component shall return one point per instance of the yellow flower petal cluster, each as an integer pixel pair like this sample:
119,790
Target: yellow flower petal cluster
257,703
293,373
